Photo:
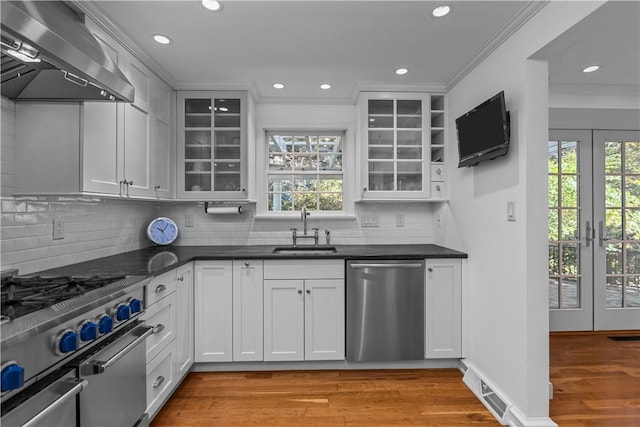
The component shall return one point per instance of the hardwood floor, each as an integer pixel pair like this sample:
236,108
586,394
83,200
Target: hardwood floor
596,383
596,380
325,398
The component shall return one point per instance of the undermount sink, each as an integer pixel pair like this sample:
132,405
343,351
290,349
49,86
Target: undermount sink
305,250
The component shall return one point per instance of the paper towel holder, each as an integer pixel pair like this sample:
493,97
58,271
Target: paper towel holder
206,207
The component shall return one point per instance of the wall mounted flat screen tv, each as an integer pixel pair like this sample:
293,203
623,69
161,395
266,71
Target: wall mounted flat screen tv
484,132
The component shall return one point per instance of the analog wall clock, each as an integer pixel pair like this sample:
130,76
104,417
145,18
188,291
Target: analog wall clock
162,231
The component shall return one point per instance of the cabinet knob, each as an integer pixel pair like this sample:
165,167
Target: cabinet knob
308,291
439,171
158,382
246,264
430,269
130,182
181,279
437,187
160,288
300,291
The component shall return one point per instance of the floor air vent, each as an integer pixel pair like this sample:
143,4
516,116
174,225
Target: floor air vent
492,399
625,337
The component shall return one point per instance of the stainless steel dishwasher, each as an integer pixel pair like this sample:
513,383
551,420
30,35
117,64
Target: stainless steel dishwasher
385,310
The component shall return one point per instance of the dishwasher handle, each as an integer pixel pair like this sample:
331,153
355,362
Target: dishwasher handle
98,367
394,265
76,386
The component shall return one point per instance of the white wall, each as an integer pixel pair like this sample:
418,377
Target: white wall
507,267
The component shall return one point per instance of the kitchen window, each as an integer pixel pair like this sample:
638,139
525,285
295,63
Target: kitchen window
305,170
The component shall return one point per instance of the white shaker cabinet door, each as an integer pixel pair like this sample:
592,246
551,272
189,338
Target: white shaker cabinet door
247,310
443,308
283,319
213,311
324,319
184,315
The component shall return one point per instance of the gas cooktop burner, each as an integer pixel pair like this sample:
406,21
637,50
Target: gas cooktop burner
23,295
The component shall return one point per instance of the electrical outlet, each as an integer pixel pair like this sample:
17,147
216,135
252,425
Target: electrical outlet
58,229
372,220
188,220
439,220
399,220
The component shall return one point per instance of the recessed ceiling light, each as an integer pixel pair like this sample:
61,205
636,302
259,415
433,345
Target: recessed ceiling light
401,71
161,39
441,11
325,86
278,85
591,69
214,5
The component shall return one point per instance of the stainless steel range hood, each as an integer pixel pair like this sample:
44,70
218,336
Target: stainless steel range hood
48,53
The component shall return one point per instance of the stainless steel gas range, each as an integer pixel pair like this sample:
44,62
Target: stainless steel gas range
72,351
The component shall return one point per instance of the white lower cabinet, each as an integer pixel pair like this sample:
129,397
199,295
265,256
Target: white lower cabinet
161,379
303,310
443,308
213,311
184,319
247,310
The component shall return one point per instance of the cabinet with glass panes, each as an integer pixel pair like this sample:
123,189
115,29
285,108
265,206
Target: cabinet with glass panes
399,161
212,145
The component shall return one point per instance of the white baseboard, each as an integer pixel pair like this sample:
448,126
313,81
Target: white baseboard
495,401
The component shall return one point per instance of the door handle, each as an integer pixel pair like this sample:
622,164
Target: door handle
98,367
590,234
76,386
395,265
601,231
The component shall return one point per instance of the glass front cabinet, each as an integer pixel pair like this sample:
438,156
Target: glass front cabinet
212,141
402,146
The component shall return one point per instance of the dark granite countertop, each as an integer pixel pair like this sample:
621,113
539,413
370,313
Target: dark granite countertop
157,260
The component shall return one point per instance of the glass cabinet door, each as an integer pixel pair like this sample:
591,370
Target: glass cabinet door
212,144
395,145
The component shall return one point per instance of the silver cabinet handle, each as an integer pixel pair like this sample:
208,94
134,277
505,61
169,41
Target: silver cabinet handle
158,328
601,231
160,288
77,385
98,367
158,382
156,187
180,279
395,265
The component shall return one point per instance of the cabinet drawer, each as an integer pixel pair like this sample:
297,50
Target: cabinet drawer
304,269
438,172
160,287
161,316
160,379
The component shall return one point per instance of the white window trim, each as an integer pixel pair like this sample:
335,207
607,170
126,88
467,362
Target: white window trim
348,173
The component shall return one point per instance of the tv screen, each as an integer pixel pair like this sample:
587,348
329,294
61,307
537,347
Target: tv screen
483,133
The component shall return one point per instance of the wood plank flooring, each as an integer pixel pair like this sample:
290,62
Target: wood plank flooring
596,380
596,384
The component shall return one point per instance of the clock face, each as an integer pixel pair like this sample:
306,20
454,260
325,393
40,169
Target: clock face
162,231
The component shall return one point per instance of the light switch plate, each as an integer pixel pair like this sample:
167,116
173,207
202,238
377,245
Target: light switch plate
188,220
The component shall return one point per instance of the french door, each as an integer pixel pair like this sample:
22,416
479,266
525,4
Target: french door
594,230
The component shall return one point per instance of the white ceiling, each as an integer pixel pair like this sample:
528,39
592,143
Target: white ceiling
348,44
358,44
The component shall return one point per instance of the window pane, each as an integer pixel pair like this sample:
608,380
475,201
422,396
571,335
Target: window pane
305,183
613,191
331,202
305,162
633,258
409,176
330,183
410,153
569,157
569,190
632,157
307,200
411,107
613,223
614,258
614,292
613,157
632,292
381,152
380,176
569,225
330,162
280,202
409,137
282,183
227,113
381,137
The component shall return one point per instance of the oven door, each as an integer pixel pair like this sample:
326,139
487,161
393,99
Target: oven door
49,402
116,374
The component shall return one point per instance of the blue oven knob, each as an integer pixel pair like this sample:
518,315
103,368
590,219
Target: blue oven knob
68,342
89,331
12,377
105,324
135,305
122,313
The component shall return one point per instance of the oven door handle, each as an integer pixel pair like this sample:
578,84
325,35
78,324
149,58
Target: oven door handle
76,384
98,367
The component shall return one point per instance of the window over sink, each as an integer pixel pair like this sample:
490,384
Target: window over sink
305,169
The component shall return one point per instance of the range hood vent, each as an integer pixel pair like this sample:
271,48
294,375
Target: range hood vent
49,54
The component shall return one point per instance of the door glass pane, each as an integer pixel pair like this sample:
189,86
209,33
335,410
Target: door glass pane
569,224
614,291
632,191
554,292
569,157
632,292
632,157
632,257
613,157
570,258
569,191
614,223
613,190
614,258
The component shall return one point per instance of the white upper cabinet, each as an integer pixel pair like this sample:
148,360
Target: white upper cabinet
212,145
397,156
